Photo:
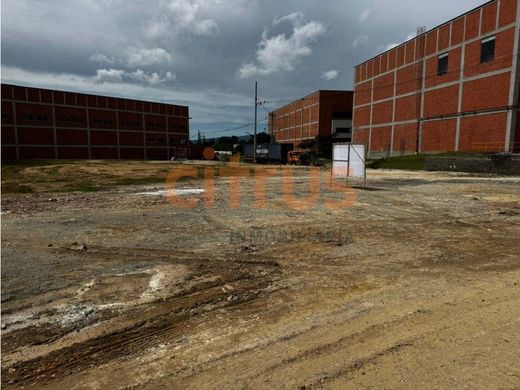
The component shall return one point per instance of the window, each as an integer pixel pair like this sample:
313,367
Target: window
34,117
442,66
487,49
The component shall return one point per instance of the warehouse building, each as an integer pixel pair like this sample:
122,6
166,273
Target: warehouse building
453,88
46,124
322,113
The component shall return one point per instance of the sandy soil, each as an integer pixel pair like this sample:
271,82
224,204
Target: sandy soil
415,285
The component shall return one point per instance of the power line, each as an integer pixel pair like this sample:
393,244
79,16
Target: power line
266,110
277,101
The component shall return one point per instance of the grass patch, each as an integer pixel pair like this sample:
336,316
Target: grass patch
82,187
37,163
129,181
15,188
412,163
90,176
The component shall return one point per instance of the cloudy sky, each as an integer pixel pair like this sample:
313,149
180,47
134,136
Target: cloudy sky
205,53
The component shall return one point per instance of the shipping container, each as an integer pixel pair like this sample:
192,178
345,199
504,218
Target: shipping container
268,153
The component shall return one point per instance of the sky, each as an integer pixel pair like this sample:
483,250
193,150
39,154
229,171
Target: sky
206,54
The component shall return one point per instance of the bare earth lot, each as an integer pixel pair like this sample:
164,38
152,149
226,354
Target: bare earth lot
416,285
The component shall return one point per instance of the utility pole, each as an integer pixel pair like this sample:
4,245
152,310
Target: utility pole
256,117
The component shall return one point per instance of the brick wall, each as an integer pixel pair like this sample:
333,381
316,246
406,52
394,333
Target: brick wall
296,121
333,102
468,108
45,124
308,117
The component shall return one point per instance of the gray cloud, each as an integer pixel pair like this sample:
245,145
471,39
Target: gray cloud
119,75
146,57
330,75
191,51
366,14
359,40
280,53
102,59
109,75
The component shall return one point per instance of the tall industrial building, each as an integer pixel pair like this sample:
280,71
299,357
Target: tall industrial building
453,88
46,124
323,113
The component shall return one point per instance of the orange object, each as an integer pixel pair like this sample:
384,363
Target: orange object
294,157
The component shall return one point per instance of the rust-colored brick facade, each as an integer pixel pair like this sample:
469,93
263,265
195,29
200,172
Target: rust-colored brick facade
45,124
404,102
310,116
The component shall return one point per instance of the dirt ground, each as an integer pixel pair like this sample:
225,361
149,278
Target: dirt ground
413,284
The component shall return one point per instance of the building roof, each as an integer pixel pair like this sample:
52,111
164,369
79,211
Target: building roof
92,94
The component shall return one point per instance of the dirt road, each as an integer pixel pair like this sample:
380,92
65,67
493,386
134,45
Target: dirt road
416,285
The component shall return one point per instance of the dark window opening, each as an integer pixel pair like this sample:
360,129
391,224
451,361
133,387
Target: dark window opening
154,140
342,115
155,125
487,49
35,117
102,121
442,66
63,119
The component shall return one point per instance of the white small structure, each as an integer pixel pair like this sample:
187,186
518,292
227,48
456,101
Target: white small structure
348,160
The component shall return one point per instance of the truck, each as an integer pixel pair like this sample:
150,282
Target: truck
272,153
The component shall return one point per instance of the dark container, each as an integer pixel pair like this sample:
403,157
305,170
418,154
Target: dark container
267,153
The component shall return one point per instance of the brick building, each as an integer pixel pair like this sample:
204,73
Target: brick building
45,124
324,113
453,88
